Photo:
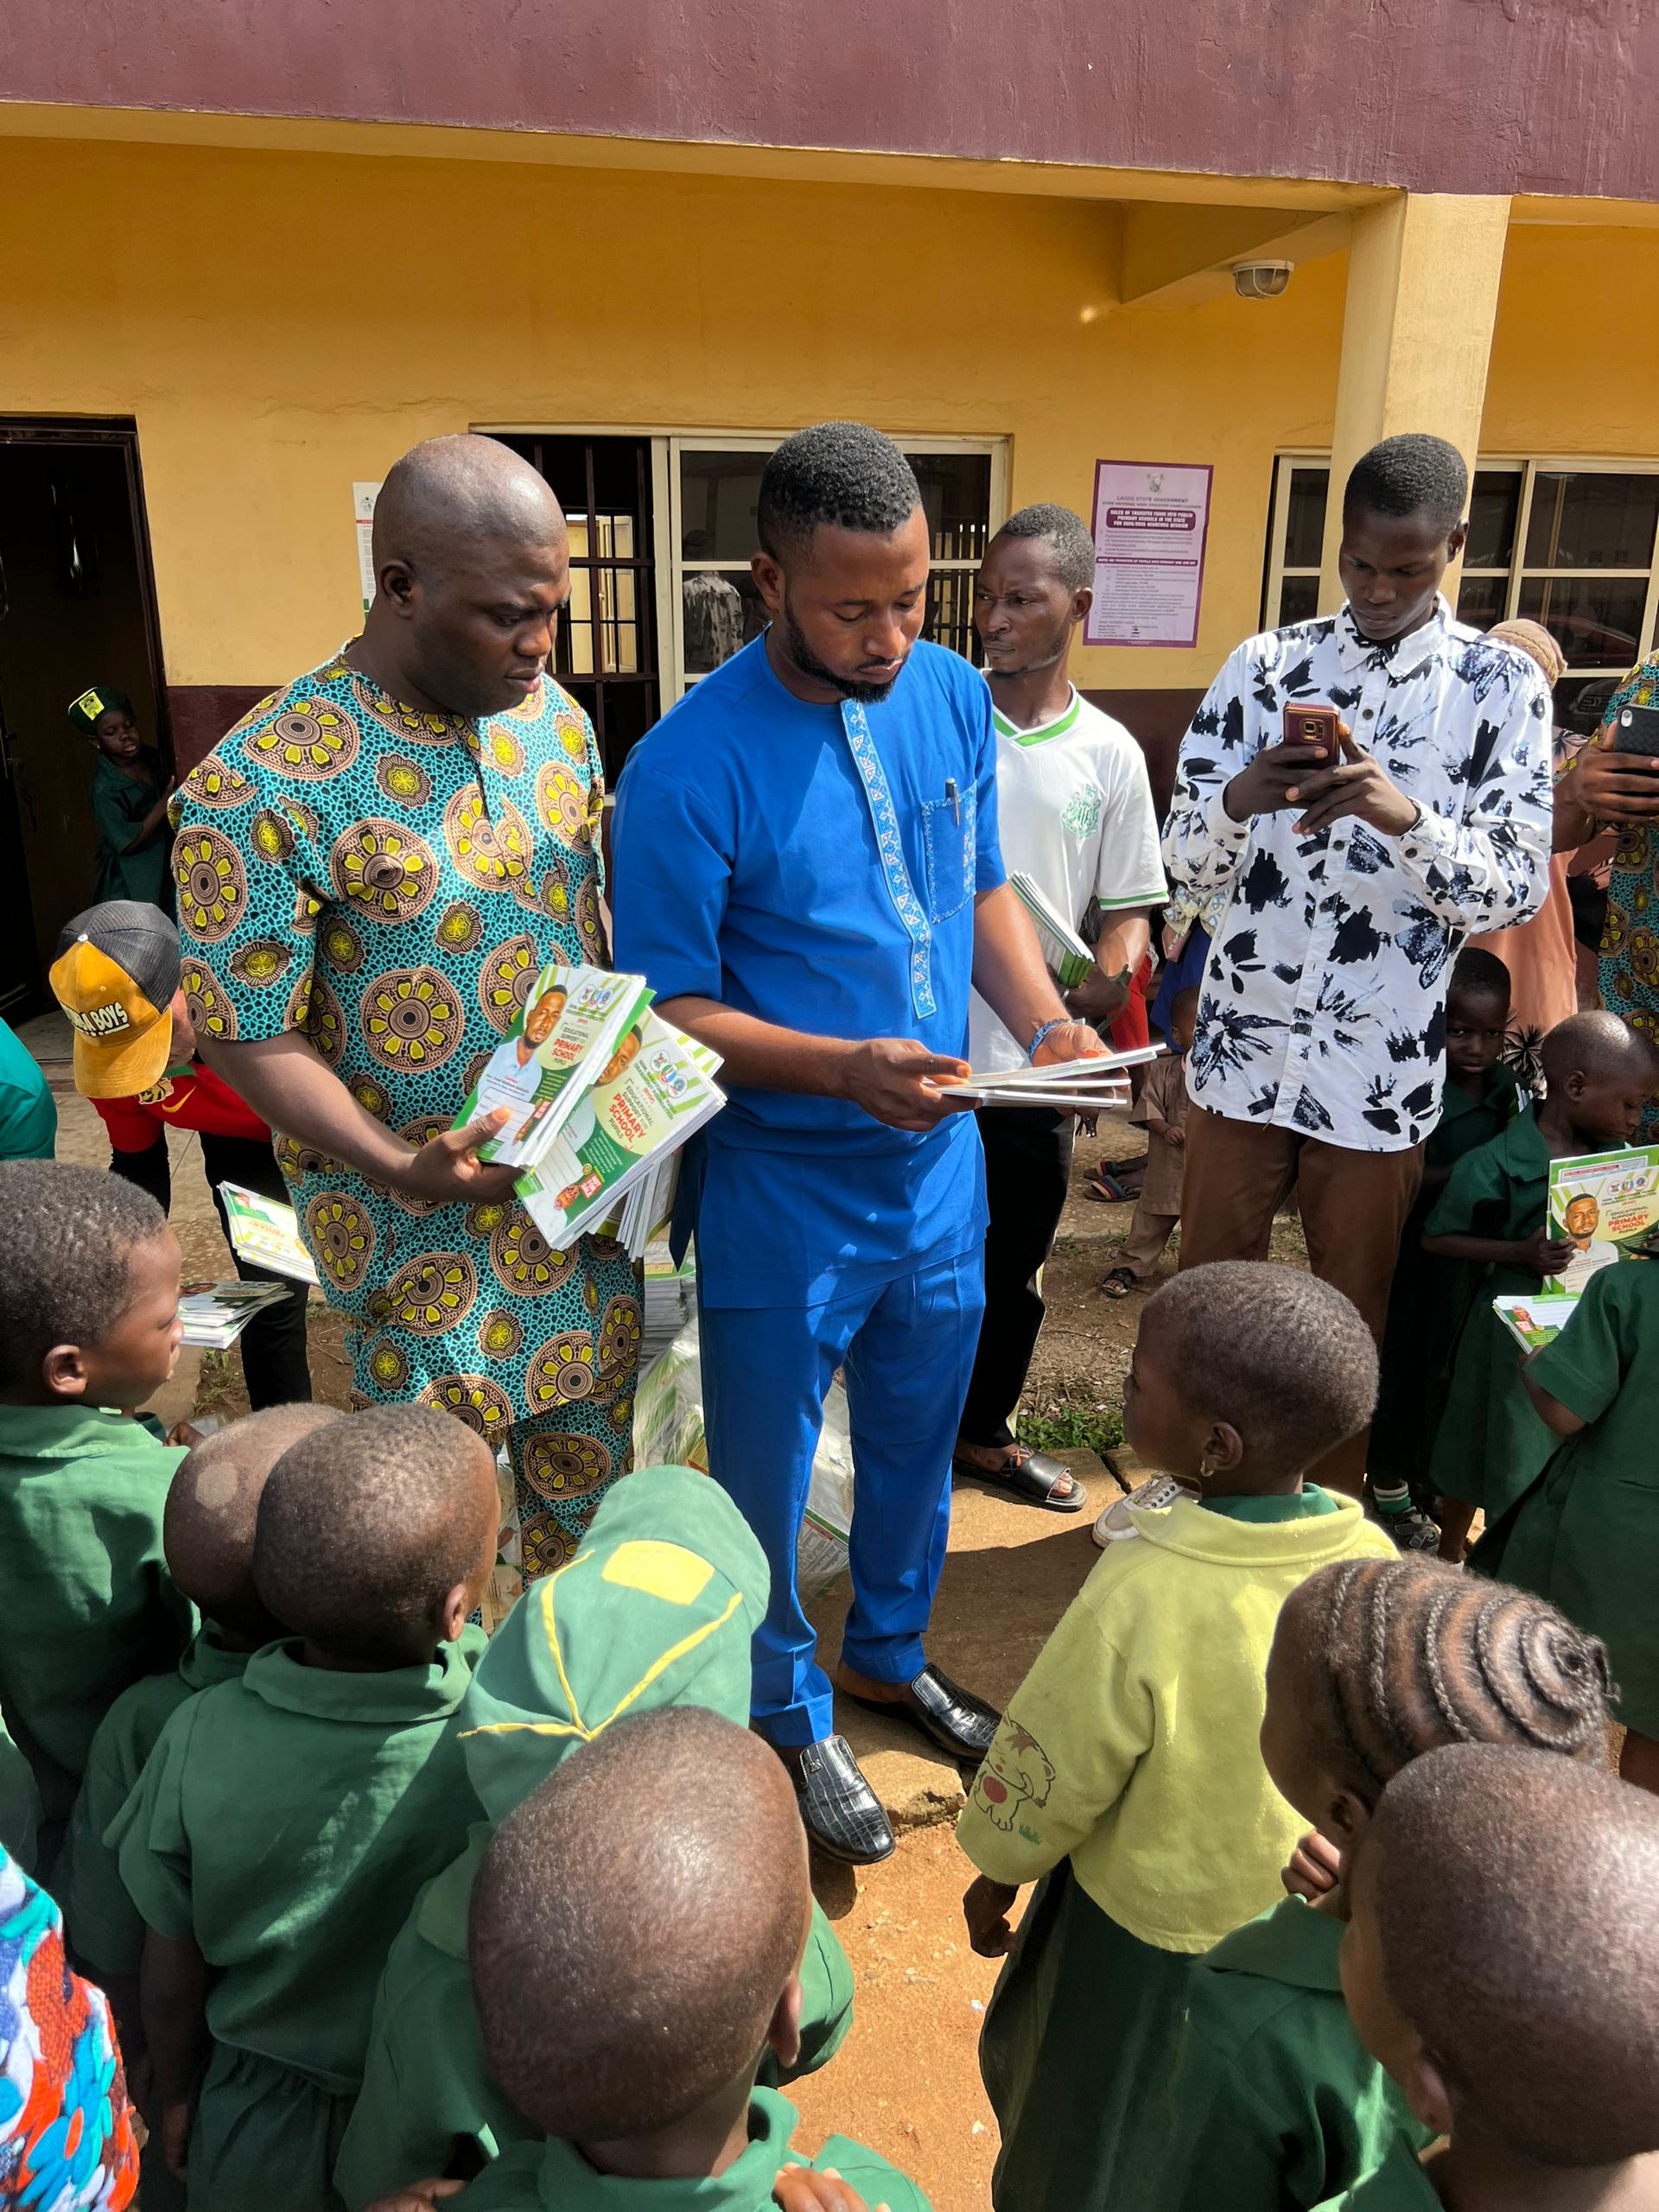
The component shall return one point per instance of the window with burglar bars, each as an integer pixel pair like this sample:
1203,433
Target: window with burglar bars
661,527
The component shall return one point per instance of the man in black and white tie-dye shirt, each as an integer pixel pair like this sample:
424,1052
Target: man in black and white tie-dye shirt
1341,894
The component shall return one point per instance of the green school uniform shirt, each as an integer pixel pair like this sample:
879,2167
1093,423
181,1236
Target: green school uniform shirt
20,1804
285,1821
553,2176
1272,2100
103,1924
119,805
426,2086
1491,1443
86,1605
1586,1536
658,1608
1399,2185
1429,1297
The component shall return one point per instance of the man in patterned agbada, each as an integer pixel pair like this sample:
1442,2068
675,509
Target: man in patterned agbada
372,869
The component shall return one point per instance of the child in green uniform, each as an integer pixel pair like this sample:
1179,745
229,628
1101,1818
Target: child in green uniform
20,1804
207,1533
626,2019
1502,1962
284,1822
1587,1534
1491,1443
89,1329
129,802
1430,1296
1273,2101
657,1609
1125,1776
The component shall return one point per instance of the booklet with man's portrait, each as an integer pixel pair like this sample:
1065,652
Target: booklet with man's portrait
1606,1205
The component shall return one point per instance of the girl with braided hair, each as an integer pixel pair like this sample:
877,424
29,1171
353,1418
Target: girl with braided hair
1273,2101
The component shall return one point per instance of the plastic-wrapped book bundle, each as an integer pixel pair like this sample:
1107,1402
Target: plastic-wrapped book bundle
668,1430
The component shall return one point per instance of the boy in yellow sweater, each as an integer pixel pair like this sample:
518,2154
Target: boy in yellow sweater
1126,1777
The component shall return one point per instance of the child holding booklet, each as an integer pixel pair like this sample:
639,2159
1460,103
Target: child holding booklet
1491,1443
1587,1535
1126,1776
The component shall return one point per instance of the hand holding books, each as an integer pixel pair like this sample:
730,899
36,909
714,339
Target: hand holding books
896,1081
454,1165
588,1102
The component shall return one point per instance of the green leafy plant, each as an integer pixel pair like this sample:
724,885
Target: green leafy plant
1068,1426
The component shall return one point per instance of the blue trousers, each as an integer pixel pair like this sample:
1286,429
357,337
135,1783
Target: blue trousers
908,1350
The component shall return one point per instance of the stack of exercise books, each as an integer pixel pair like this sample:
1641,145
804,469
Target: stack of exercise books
214,1314
267,1232
602,1094
1065,952
671,1298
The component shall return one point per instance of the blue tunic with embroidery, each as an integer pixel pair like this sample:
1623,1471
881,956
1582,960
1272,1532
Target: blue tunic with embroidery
816,867
389,882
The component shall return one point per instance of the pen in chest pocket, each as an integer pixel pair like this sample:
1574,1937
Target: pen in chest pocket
953,800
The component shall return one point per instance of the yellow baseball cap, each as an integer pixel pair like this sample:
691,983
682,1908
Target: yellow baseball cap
115,975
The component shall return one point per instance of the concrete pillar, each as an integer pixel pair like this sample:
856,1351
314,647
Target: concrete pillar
1423,273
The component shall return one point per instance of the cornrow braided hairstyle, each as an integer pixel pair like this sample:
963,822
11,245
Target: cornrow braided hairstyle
1399,1656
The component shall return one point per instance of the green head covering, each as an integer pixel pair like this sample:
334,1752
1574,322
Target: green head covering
657,1608
101,699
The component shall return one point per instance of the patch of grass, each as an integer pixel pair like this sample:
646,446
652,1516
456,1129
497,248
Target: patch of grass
1067,1426
219,1384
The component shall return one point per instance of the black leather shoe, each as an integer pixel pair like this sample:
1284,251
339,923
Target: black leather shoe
841,1813
948,1715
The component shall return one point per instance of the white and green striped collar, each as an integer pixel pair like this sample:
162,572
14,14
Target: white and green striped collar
1062,722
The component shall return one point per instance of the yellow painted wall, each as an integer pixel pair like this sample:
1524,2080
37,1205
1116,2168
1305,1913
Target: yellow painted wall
281,325
1575,356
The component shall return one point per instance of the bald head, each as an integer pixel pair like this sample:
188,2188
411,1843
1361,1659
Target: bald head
1595,1044
370,1531
448,496
611,2010
472,565
212,1506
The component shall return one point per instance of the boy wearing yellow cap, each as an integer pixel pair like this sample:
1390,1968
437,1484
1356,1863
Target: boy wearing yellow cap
119,978
657,1609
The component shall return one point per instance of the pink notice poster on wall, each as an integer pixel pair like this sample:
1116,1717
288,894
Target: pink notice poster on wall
1151,521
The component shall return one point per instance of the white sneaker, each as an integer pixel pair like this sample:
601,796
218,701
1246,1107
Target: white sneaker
1114,1526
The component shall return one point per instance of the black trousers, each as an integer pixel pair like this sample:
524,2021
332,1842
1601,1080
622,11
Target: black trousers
1027,1169
274,1362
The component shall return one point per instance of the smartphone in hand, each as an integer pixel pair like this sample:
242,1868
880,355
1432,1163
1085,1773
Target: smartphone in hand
1314,726
1635,730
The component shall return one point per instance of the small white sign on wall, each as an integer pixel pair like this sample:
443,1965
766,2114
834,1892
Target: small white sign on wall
363,498
1151,522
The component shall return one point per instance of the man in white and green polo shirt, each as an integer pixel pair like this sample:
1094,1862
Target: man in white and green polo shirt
1076,814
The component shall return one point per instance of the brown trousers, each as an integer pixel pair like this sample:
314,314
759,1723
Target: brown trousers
1354,1206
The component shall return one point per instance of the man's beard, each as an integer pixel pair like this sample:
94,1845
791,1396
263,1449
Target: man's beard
1038,661
864,694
